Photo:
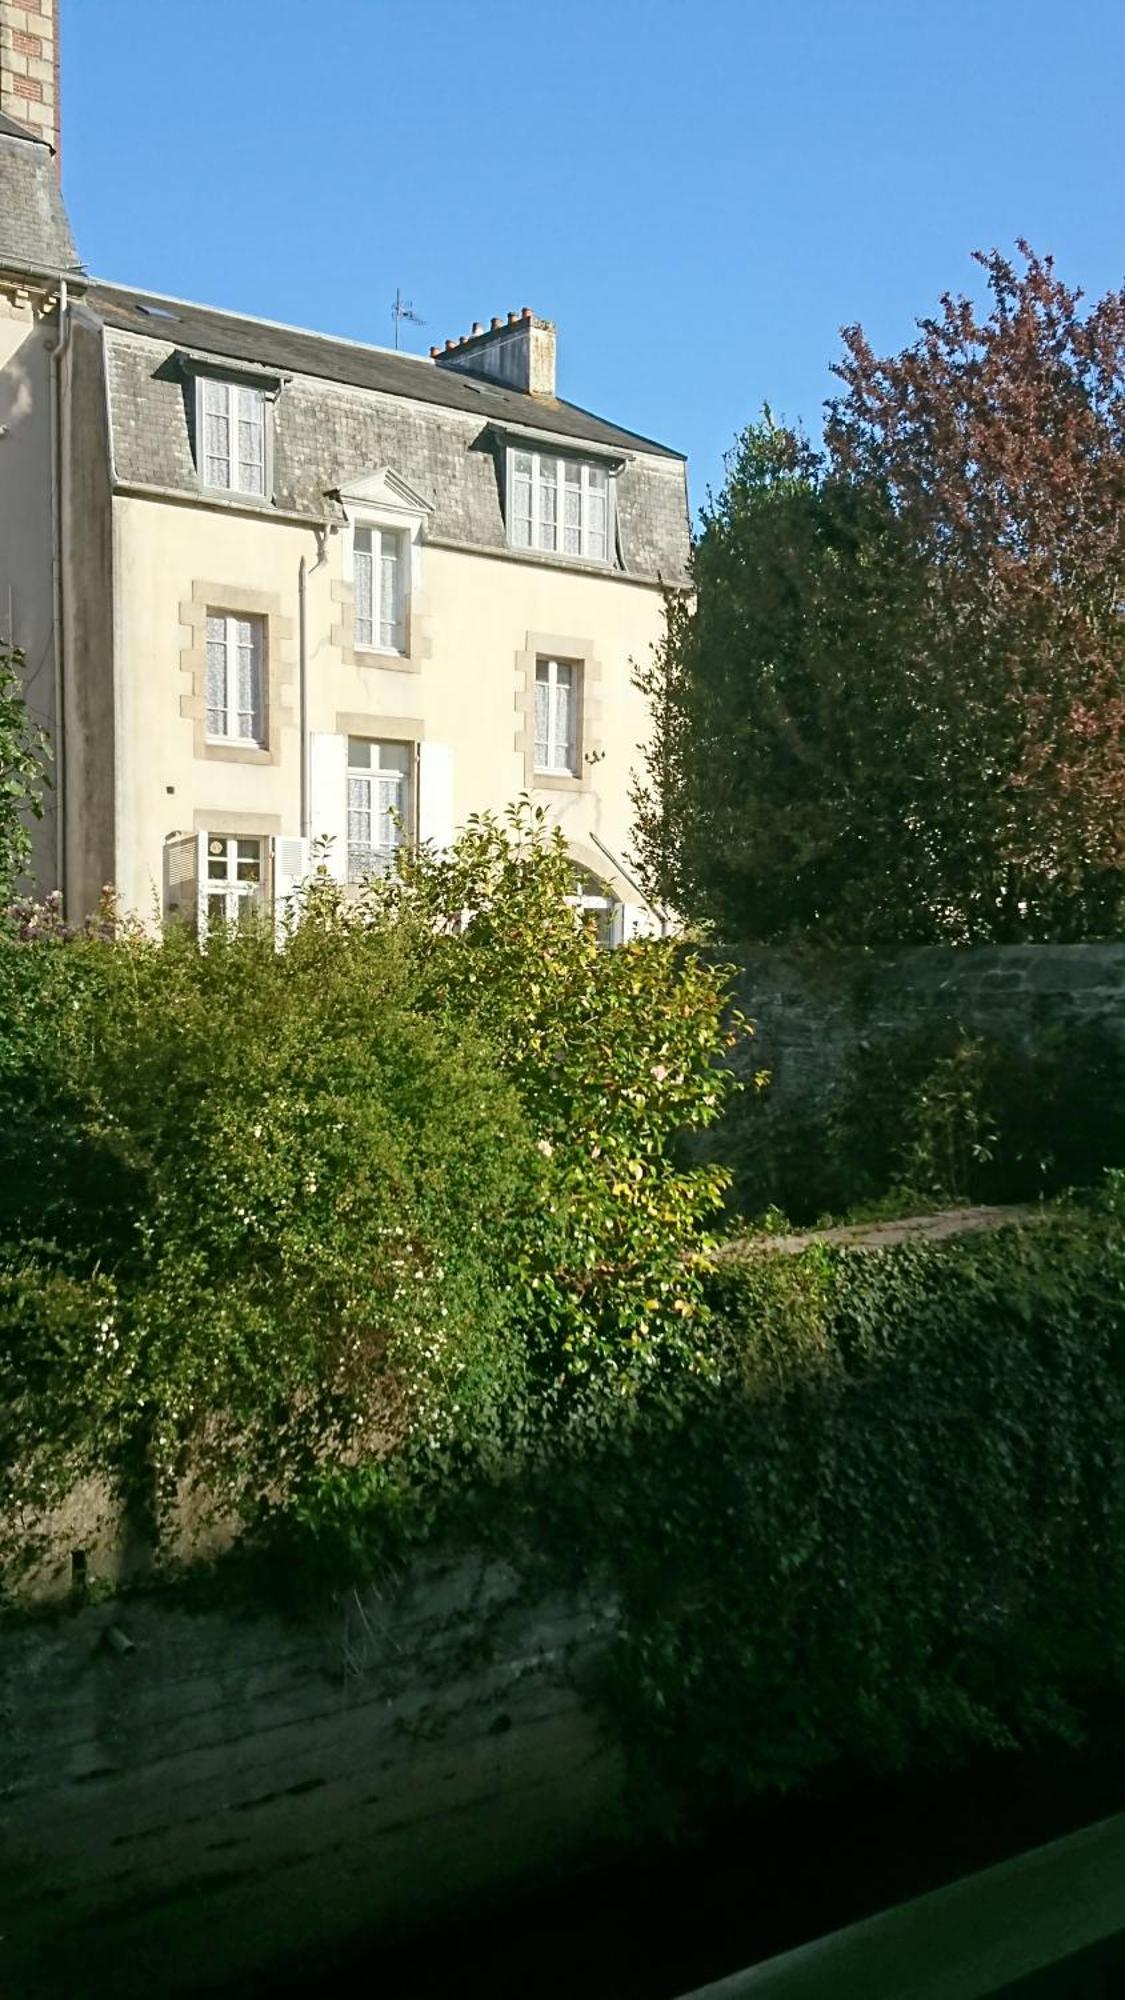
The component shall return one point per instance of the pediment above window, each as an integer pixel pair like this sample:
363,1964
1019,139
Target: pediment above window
384,492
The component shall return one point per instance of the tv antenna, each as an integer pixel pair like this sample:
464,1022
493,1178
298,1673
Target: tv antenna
404,309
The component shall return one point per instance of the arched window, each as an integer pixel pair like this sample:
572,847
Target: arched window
595,899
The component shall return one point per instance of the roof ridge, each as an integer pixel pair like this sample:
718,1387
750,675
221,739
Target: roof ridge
139,294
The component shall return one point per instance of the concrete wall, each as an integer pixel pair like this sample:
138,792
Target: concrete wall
27,333
87,755
236,1786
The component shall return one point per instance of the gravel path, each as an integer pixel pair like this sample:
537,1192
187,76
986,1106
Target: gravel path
883,1235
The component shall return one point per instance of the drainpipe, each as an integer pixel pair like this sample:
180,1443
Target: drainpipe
58,393
303,574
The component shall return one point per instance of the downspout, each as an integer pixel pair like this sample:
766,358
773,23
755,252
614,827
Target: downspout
303,574
58,393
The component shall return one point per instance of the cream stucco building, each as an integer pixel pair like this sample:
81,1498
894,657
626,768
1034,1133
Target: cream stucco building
285,597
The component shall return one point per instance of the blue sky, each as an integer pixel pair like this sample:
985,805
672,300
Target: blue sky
700,195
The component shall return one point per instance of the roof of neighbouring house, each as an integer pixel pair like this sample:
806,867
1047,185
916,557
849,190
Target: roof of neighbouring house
34,230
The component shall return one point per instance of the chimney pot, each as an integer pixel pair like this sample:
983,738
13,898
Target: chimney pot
524,360
434,352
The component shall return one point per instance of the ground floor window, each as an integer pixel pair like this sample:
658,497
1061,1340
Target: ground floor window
380,804
235,878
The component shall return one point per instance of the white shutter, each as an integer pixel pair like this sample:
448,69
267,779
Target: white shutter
435,794
289,867
185,872
328,801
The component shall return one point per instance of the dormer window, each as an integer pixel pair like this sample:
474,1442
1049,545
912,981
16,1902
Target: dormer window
232,434
560,505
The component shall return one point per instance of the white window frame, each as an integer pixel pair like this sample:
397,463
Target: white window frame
235,889
382,856
255,738
554,768
593,897
402,537
546,469
234,391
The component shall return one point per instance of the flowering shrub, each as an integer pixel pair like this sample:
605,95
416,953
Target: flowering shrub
611,1053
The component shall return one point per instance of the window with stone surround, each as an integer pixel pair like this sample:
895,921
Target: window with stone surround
380,575
558,686
558,505
235,678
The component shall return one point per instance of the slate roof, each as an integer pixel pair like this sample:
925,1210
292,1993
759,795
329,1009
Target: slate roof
292,350
345,410
33,225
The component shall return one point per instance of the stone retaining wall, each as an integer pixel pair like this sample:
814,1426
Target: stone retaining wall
231,1788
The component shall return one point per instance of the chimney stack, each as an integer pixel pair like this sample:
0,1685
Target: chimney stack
518,352
29,67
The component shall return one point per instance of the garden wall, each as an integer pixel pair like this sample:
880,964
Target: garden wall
994,1074
234,1787
811,1010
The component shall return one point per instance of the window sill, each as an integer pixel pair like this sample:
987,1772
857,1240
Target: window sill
560,557
557,781
236,750
382,652
236,495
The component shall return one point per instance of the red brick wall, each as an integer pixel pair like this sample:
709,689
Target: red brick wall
29,66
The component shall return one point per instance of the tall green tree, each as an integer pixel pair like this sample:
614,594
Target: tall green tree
896,712
23,753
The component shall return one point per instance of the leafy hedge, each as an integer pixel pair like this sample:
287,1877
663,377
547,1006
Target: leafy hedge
890,1527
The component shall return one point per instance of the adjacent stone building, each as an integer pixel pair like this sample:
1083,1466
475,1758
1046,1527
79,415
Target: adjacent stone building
285,597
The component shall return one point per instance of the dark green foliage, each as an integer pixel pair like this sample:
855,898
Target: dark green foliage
23,774
793,727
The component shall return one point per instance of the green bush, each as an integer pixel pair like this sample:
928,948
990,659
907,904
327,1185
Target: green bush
298,1187
276,1218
